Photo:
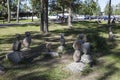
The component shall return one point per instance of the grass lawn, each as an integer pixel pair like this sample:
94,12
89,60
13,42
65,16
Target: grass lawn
105,53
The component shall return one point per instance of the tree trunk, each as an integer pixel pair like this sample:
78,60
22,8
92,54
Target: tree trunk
46,16
109,14
32,17
18,10
32,14
9,11
70,17
42,17
63,13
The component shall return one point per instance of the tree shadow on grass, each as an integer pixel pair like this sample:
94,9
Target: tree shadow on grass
85,23
98,42
33,76
111,69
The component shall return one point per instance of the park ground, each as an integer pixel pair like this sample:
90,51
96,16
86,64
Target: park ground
105,53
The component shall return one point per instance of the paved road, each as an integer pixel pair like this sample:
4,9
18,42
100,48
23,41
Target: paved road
18,24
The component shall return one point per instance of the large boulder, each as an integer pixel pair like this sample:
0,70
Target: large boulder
52,54
27,40
15,57
17,43
76,45
60,49
111,36
76,67
85,48
77,56
62,39
86,58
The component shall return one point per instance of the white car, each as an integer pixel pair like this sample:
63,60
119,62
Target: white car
53,17
78,18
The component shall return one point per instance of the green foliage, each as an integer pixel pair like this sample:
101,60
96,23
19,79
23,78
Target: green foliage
87,70
89,7
116,9
13,5
106,10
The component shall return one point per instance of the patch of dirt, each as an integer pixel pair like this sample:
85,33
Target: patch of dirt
65,59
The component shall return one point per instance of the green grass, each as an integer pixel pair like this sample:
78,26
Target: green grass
106,53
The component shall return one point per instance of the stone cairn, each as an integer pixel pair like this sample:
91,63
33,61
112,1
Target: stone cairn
85,49
62,44
27,40
48,47
62,39
16,55
77,53
17,43
49,50
111,35
19,55
81,55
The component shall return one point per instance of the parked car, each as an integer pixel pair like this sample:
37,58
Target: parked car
53,17
106,17
117,18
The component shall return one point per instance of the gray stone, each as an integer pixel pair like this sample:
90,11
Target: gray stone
111,35
48,47
60,49
77,53
76,45
15,57
76,67
62,40
53,54
81,38
85,48
49,51
77,56
27,40
17,43
86,58
26,52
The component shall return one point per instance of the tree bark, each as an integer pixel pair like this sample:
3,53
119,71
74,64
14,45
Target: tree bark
18,10
9,11
32,14
63,13
46,16
42,16
70,17
32,17
109,14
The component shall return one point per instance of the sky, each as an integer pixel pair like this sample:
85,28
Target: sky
103,3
